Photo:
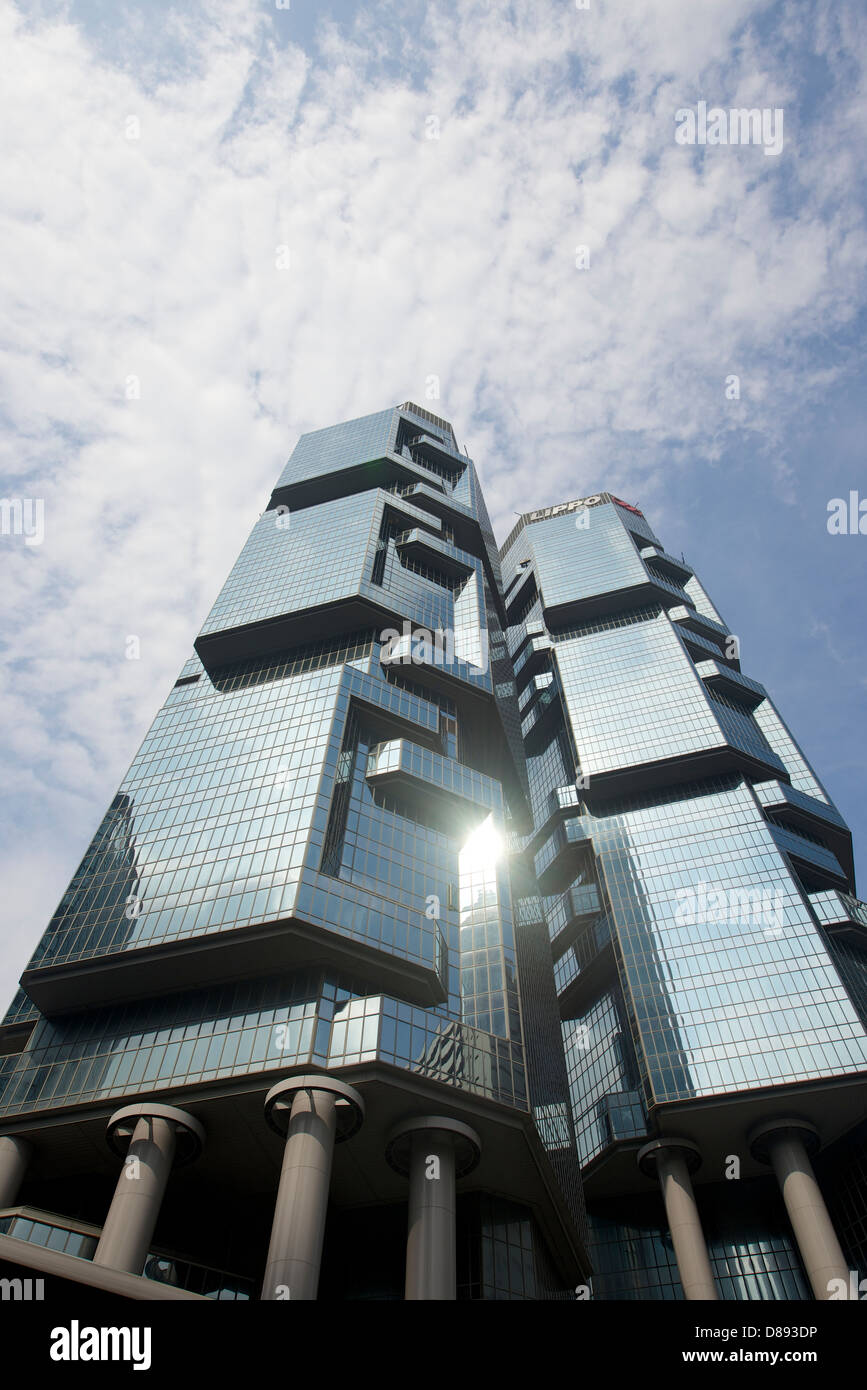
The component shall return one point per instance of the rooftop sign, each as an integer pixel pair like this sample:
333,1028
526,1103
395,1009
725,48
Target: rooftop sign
578,505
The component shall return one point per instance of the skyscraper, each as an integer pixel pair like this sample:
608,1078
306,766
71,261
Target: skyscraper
710,955
292,1030
443,878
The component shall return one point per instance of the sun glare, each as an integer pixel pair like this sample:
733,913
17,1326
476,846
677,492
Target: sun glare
482,848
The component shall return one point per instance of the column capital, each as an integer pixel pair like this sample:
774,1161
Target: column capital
14,1157
467,1144
762,1135
648,1156
189,1133
349,1104
24,1146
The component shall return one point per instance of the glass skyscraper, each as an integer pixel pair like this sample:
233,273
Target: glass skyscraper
449,890
710,956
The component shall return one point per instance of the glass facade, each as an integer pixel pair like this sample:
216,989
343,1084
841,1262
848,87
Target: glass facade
752,1251
696,886
514,830
310,851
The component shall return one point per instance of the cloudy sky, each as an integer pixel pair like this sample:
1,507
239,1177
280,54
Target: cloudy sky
225,224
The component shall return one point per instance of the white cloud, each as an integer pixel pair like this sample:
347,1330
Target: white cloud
155,258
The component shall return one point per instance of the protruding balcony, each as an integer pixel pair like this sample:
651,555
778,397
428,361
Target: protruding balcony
678,570
534,690
691,618
810,855
433,661
535,657
798,807
419,546
561,856
840,914
418,774
717,676
543,709
787,805
572,912
578,970
519,588
425,450
702,648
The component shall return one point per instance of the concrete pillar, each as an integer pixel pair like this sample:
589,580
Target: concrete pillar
433,1151
14,1157
314,1113
431,1269
784,1145
672,1160
153,1136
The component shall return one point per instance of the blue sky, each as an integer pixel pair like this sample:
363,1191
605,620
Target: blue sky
156,366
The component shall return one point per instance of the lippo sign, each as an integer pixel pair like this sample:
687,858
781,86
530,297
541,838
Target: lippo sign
578,505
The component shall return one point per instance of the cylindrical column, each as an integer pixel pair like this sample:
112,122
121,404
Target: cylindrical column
156,1135
314,1112
672,1160
14,1157
784,1144
433,1152
431,1270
